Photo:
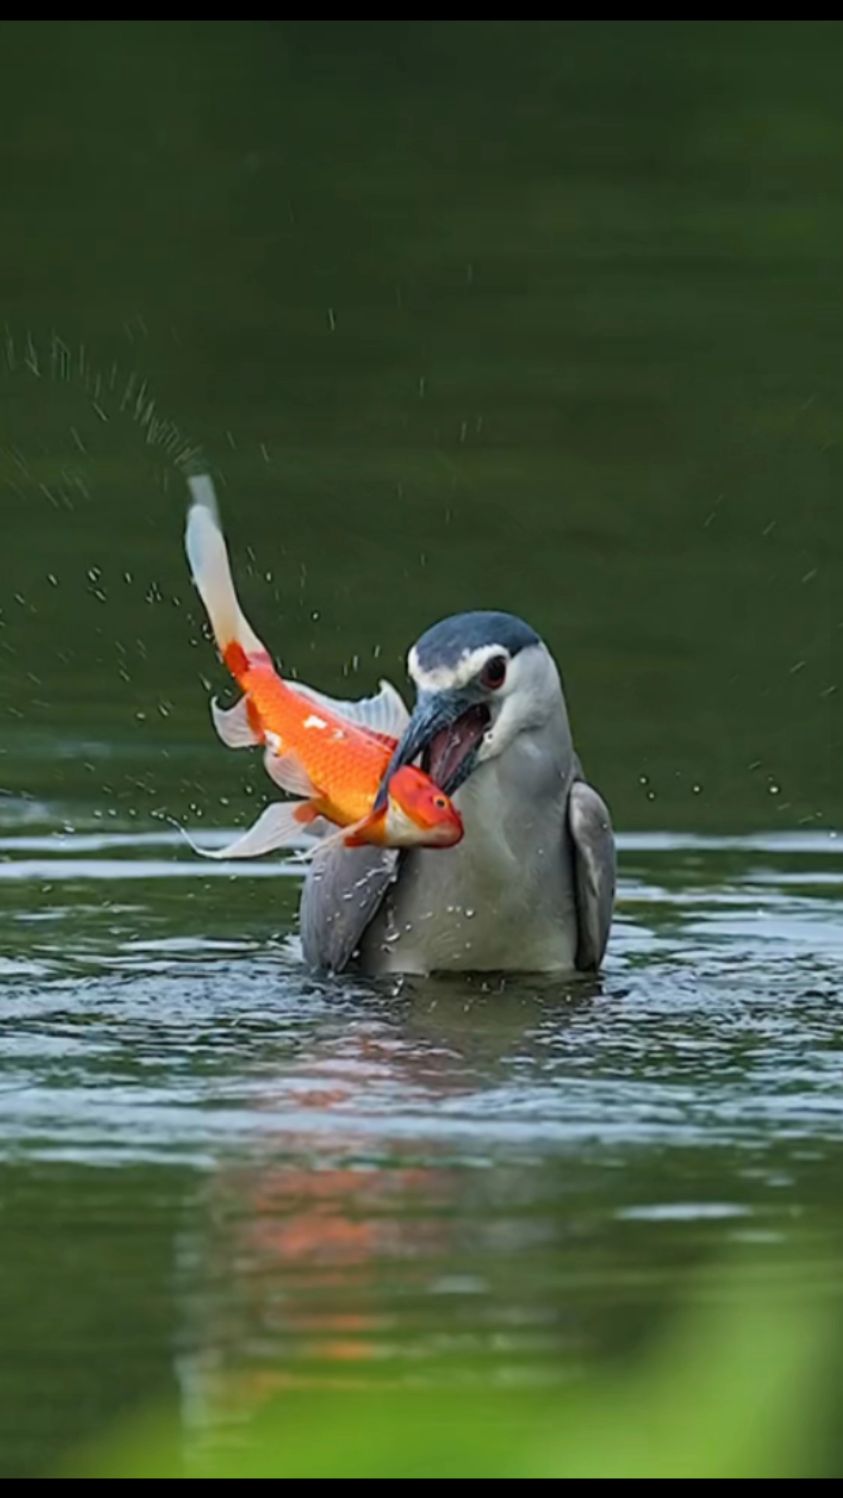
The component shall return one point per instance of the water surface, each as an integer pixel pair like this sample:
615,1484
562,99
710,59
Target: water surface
220,1173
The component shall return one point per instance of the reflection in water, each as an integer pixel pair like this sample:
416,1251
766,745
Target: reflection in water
305,1181
321,1260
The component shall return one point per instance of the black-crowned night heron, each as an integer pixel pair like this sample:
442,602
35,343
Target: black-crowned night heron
531,886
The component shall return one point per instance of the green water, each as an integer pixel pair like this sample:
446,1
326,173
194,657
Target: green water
539,317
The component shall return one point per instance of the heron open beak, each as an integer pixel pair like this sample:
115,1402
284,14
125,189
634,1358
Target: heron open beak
445,729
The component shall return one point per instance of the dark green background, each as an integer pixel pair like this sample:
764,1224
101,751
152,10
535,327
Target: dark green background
544,316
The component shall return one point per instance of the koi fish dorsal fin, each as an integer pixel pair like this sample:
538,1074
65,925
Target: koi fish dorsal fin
384,714
208,558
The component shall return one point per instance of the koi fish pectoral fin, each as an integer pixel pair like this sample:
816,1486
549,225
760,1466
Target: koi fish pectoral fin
358,835
280,825
234,725
286,769
353,836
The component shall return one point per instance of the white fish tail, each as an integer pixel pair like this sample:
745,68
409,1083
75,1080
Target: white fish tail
209,564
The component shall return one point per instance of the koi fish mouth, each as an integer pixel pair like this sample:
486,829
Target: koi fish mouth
450,755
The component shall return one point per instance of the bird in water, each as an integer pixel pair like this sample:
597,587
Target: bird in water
531,885
508,856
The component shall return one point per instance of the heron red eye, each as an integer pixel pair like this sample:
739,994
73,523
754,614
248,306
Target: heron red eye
494,672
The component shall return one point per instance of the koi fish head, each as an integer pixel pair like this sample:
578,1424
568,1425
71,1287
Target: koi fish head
415,814
419,814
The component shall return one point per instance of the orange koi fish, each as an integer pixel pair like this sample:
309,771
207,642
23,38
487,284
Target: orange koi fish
330,754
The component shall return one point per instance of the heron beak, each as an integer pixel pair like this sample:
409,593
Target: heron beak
445,729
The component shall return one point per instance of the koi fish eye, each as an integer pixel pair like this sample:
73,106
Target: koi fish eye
440,802
493,674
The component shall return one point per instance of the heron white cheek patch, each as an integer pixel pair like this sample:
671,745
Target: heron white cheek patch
450,678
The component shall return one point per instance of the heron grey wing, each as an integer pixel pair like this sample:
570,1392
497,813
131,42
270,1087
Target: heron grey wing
590,827
342,893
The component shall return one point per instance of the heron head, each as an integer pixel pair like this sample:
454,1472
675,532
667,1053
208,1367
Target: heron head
482,679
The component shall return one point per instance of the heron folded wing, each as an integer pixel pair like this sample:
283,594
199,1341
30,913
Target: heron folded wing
594,872
342,894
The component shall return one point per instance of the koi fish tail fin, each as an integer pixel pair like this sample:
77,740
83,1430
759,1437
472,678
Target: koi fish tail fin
209,564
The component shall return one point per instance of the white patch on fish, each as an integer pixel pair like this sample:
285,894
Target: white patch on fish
312,721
